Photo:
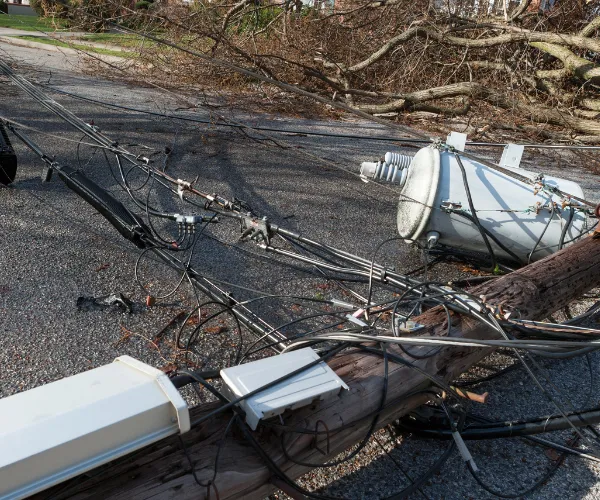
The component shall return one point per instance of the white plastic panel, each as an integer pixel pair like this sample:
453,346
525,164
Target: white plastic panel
457,140
511,155
62,429
317,382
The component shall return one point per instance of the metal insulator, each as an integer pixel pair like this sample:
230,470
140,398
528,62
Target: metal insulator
402,161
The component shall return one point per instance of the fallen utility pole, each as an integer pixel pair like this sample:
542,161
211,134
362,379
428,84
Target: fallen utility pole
163,469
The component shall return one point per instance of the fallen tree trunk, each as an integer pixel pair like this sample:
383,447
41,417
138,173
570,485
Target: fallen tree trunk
162,470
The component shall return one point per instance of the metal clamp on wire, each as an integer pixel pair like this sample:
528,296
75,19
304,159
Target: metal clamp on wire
93,126
539,184
438,143
256,229
449,206
183,186
187,223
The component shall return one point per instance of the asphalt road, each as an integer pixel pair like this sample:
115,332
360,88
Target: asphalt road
47,59
54,249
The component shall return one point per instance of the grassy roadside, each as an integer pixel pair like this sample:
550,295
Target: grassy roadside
122,40
85,48
31,23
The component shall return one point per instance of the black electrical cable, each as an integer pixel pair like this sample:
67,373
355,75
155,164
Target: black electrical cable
204,284
435,467
211,482
303,334
509,429
490,235
225,309
330,326
174,243
138,281
254,127
480,380
538,241
329,277
405,492
78,155
185,377
295,131
323,313
238,400
436,381
583,233
502,494
406,350
474,213
191,338
367,436
274,468
565,228
129,190
371,268
197,377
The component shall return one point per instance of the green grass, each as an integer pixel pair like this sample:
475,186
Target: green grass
115,39
120,39
85,48
137,41
30,23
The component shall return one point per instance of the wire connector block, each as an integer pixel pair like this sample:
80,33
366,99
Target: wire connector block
256,229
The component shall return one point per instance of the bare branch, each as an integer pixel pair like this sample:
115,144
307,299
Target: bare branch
537,113
591,28
519,10
574,65
593,104
512,37
236,8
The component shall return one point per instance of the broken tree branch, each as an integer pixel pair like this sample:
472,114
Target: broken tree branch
591,27
537,113
511,37
519,10
573,64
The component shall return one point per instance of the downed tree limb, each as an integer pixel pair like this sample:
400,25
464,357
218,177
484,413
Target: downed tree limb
534,112
573,64
162,470
408,100
519,10
593,104
232,11
476,43
590,29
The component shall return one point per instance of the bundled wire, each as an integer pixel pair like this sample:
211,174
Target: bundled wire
360,320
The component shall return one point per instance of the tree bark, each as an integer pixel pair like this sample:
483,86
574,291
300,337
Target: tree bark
537,113
574,65
520,9
591,27
161,471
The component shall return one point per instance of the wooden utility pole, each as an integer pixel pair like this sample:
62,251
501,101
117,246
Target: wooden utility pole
162,471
